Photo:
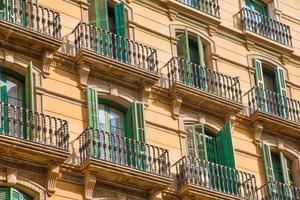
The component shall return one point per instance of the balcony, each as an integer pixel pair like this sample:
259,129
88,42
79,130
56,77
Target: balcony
254,22
280,113
29,25
276,190
115,56
123,160
203,87
32,136
205,180
210,7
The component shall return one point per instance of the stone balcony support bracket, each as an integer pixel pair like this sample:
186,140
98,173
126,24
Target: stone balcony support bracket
53,174
258,129
84,71
89,185
47,60
231,117
176,105
146,91
155,194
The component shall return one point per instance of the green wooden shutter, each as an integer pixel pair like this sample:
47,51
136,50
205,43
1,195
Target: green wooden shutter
284,167
259,74
29,88
102,14
92,100
4,9
280,81
200,141
4,112
120,17
4,193
225,146
202,69
267,162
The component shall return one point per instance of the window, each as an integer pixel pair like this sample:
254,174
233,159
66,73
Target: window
110,17
204,145
16,90
7,193
190,47
277,166
258,6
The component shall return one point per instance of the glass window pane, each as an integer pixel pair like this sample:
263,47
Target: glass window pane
117,121
14,91
102,119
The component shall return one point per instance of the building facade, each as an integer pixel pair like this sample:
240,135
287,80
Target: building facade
149,99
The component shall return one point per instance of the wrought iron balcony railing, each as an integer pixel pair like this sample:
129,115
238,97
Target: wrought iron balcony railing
32,16
33,126
266,27
204,79
215,177
275,190
115,47
124,151
210,7
273,103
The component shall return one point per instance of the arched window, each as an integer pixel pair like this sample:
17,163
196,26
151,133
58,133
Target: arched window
278,167
7,193
205,145
257,6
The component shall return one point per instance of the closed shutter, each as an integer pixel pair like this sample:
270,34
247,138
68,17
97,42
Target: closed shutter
202,68
16,195
200,141
29,88
225,146
92,100
102,15
4,193
267,162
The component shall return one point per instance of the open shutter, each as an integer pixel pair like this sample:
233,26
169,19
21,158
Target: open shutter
102,14
259,74
4,111
29,88
92,100
202,69
4,193
225,146
182,46
280,81
200,141
284,168
120,17
4,9
268,162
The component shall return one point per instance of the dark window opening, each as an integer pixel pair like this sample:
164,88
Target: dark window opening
112,20
194,50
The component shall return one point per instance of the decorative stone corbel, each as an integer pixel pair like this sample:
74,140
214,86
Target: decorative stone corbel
89,185
84,72
11,177
155,194
285,58
145,94
53,174
129,1
280,144
231,117
211,30
46,62
258,128
249,44
9,56
172,14
176,105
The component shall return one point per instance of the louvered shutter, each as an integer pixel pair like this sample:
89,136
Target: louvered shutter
283,161
92,100
202,68
260,92
4,193
280,87
267,162
4,109
102,18
225,146
121,30
200,141
4,9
